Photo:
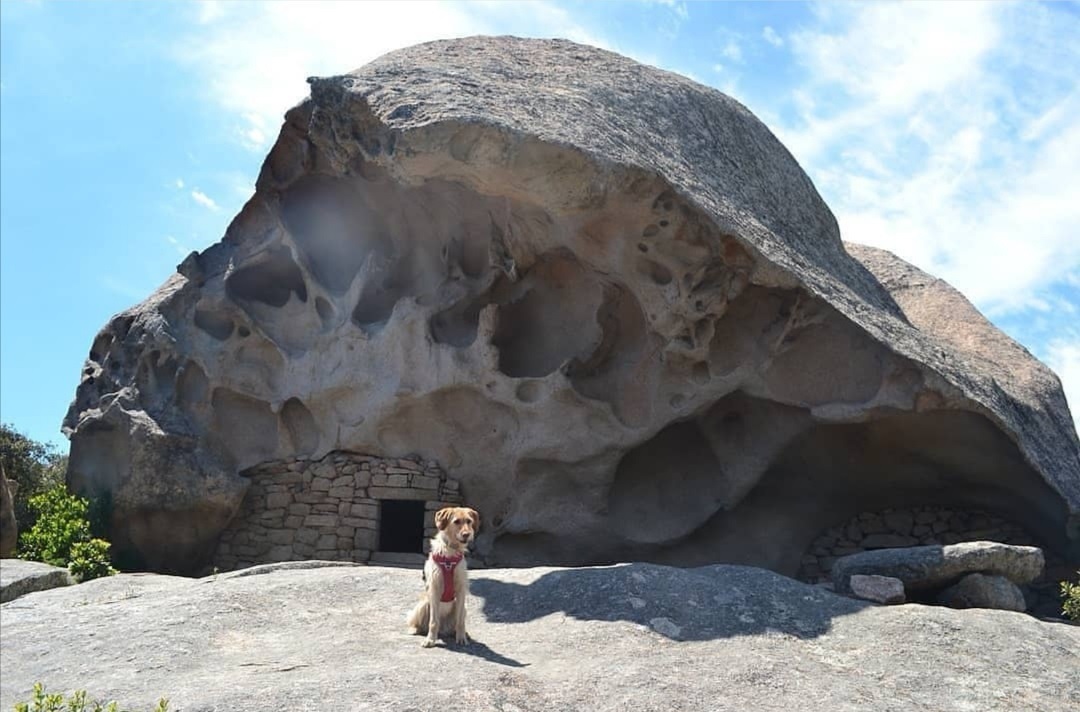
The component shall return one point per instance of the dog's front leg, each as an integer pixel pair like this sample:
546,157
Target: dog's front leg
460,636
434,617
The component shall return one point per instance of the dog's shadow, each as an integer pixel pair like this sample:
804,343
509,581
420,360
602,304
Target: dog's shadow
480,650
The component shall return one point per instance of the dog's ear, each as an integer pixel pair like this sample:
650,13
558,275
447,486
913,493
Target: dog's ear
475,518
443,517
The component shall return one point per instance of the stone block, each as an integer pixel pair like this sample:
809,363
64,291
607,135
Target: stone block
303,550
395,493
425,482
888,541
367,511
899,521
364,539
880,589
281,536
278,500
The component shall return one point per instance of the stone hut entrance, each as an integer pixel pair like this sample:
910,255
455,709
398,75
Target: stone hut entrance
401,526
345,507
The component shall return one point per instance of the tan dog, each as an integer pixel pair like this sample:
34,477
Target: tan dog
446,577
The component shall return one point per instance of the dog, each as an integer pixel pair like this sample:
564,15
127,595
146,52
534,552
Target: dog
446,577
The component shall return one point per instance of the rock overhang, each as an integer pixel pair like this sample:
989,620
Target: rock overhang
489,245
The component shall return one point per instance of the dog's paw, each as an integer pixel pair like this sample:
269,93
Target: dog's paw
462,639
428,643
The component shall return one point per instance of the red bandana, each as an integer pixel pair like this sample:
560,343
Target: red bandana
447,564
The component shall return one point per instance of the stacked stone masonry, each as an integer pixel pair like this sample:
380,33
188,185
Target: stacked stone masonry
327,509
920,526
895,528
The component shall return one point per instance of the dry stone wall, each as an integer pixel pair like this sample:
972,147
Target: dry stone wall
894,528
299,509
919,526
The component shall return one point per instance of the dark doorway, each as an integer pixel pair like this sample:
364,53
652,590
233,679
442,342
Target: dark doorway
401,526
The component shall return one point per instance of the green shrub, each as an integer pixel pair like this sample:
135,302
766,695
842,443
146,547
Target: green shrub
35,466
90,560
61,523
1070,593
54,702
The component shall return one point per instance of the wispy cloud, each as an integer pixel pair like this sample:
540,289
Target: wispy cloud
770,35
927,142
181,249
203,199
732,51
1064,357
254,58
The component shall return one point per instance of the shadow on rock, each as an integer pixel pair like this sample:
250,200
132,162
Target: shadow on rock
681,604
481,650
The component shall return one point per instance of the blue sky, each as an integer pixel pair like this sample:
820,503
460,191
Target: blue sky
131,133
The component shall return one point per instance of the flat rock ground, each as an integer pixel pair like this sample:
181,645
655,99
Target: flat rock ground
636,636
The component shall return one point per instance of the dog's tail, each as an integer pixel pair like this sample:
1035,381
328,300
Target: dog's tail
417,620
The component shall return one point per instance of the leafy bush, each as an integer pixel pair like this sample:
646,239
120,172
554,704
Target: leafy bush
90,560
37,467
61,523
1070,593
54,702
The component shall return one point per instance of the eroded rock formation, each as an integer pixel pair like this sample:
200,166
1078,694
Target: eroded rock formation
9,527
601,296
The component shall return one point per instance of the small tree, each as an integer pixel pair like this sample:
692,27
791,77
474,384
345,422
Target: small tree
1070,594
35,466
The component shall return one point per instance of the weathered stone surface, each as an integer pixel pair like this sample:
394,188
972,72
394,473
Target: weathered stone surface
9,528
639,637
981,591
602,296
18,578
880,589
926,567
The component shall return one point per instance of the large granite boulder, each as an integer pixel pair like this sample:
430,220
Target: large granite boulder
927,567
982,591
639,636
19,577
603,297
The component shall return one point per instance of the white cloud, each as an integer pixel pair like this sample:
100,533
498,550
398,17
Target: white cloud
178,246
1064,357
203,199
949,148
770,35
179,184
677,6
254,58
732,51
209,11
